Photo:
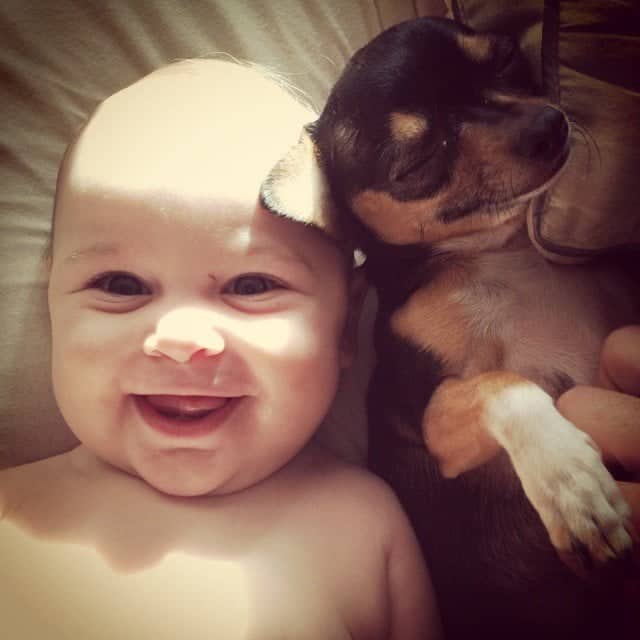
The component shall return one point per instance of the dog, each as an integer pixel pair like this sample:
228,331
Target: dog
429,155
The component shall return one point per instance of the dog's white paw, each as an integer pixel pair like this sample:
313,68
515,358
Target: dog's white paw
565,480
574,494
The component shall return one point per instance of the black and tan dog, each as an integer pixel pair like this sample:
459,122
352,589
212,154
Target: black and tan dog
428,155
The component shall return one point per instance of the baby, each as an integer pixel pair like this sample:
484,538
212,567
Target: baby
198,342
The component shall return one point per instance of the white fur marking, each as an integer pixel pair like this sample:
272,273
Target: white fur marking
300,187
561,472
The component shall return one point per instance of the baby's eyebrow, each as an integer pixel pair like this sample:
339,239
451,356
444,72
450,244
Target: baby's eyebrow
97,249
286,257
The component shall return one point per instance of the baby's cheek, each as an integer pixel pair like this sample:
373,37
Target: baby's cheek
87,352
88,363
293,339
299,349
87,332
268,336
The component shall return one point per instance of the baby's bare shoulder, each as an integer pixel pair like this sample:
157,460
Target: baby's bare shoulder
5,490
34,486
353,492
16,483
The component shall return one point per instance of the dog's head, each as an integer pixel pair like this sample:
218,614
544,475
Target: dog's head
432,132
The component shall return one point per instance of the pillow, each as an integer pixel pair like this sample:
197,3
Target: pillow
586,55
58,60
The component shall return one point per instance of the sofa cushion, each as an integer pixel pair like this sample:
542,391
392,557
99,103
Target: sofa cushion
585,54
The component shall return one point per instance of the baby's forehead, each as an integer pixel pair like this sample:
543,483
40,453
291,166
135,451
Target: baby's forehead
193,126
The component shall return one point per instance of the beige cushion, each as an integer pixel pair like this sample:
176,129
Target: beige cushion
588,61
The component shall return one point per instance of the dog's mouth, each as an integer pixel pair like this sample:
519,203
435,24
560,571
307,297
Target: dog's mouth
556,170
546,145
509,204
503,167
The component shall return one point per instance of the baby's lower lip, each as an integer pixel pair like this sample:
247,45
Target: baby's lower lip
184,416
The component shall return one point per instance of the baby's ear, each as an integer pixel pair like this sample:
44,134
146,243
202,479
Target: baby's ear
297,187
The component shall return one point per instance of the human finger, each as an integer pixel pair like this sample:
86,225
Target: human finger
631,493
612,419
620,361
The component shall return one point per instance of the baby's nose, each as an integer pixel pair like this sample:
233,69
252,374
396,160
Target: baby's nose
182,333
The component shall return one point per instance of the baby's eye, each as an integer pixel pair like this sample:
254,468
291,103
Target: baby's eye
251,285
120,284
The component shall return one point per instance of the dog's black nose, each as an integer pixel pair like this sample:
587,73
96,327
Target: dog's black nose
545,137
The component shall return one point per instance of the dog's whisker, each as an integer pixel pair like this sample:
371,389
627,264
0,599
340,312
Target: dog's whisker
512,187
589,142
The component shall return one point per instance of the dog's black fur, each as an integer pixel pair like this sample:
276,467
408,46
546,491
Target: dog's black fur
495,572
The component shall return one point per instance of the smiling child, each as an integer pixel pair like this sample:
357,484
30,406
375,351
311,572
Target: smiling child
197,344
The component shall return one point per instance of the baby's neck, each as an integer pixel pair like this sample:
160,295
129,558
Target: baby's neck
78,498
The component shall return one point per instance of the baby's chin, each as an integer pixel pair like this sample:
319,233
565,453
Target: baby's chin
181,489
186,474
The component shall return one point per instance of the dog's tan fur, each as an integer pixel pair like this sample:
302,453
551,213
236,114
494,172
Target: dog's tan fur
476,47
406,127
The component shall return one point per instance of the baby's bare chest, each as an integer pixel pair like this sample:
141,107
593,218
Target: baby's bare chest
181,595
117,560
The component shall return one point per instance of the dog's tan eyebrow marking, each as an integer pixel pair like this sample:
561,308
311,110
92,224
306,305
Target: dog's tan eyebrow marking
477,47
407,126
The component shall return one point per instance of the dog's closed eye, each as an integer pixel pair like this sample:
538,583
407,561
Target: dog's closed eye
505,54
406,171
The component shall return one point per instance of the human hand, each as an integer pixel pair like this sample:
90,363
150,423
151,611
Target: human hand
610,414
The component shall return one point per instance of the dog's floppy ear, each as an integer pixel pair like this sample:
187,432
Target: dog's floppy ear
297,187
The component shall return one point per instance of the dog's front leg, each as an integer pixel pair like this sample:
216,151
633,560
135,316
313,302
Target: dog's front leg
561,471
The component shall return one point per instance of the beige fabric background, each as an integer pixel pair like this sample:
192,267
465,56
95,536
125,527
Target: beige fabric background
58,59
595,206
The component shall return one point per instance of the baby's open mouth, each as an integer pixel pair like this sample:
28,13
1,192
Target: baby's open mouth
188,417
185,407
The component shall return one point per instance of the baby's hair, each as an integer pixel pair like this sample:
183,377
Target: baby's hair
270,74
47,253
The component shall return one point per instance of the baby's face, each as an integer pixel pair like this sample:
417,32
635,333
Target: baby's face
197,338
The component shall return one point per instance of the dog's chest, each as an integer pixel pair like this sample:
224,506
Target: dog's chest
514,310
